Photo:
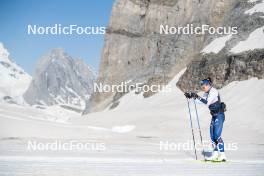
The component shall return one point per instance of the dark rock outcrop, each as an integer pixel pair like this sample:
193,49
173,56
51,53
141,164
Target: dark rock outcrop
223,69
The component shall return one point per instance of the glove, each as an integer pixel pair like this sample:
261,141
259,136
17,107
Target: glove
194,95
188,95
191,95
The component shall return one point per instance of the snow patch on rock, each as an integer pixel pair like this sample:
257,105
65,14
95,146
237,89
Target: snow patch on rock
217,44
257,8
254,41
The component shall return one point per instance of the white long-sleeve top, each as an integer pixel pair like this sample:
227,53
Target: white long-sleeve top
210,97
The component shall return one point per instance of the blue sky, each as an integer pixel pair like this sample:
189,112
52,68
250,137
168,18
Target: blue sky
26,49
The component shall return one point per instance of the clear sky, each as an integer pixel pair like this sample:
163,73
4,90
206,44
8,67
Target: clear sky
16,15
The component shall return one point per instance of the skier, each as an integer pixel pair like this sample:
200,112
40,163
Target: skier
212,99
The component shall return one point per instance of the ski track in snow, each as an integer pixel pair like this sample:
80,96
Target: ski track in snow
56,121
122,166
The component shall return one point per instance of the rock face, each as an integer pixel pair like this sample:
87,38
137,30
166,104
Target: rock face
223,69
60,79
135,50
13,79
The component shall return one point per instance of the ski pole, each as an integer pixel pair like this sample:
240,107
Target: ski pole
192,129
201,137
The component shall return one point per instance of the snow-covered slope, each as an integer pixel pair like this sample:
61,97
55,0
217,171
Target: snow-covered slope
166,113
13,79
133,131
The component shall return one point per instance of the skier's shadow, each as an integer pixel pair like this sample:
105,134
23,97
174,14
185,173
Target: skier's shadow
207,153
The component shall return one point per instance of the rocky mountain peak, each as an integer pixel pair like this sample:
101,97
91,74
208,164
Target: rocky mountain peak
60,79
59,53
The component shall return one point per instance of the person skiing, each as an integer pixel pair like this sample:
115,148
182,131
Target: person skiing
211,98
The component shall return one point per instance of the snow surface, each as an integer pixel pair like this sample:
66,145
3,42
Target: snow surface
123,129
252,1
144,123
254,41
257,8
217,44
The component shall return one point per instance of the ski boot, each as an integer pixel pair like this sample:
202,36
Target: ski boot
221,157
